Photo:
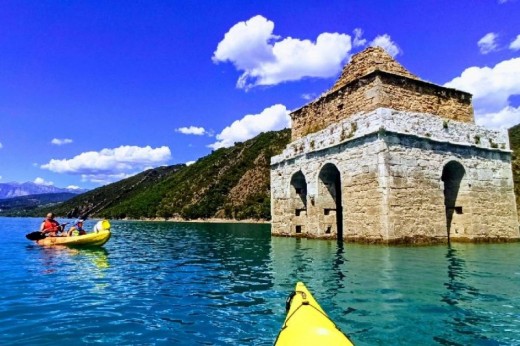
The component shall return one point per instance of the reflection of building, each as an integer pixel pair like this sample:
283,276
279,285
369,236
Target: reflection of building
386,157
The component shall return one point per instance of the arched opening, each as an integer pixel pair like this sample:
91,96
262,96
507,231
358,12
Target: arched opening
452,175
329,201
298,201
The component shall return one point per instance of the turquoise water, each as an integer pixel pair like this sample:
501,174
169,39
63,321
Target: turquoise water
216,284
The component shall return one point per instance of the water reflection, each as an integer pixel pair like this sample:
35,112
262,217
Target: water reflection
54,257
338,263
465,322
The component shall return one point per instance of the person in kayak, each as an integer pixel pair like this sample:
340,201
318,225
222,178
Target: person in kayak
76,229
50,227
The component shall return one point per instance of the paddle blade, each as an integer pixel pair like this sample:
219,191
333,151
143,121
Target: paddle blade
35,235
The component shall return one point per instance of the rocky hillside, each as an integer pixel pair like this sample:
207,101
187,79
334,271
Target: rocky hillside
514,140
229,183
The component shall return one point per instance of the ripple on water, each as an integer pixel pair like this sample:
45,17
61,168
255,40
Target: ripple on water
207,284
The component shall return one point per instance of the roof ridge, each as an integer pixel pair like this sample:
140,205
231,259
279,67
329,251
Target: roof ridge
367,61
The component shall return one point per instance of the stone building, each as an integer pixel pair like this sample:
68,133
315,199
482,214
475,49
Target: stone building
386,157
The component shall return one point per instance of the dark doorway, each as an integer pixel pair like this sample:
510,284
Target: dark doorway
329,194
298,202
299,191
452,175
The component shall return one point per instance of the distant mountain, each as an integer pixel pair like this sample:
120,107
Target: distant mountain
13,189
229,183
24,204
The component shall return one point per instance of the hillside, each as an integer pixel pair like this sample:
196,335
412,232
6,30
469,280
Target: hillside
514,141
23,204
230,183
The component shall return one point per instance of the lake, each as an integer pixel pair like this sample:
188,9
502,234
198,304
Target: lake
159,283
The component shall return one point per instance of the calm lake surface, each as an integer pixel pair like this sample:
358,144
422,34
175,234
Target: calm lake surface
226,284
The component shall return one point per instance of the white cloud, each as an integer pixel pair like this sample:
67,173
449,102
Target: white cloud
270,119
192,130
503,119
492,89
358,41
103,179
309,97
189,163
110,163
73,187
41,181
515,45
0,177
488,44
267,59
385,42
58,141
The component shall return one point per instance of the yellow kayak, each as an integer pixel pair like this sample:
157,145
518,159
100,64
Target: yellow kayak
99,236
89,239
307,324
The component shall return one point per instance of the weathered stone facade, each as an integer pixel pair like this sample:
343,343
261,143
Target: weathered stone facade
394,174
385,86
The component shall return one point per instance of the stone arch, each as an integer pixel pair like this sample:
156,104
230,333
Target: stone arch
456,199
329,201
299,190
298,201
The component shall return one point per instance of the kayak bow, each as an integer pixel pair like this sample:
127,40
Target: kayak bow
307,324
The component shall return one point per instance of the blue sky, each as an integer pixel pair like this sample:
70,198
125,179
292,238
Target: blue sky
94,91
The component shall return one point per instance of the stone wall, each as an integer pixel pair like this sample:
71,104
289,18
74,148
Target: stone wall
416,191
357,161
391,168
381,90
383,119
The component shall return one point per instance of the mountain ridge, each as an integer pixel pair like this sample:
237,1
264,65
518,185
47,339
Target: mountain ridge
15,189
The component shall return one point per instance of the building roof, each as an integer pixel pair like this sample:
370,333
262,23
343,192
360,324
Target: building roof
368,61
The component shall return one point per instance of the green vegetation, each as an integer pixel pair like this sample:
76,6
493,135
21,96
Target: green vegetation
23,204
229,183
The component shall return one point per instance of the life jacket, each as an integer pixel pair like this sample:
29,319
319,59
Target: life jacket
51,225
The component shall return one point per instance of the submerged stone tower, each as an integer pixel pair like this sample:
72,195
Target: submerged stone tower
386,157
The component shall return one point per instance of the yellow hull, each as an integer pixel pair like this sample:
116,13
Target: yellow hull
307,324
90,239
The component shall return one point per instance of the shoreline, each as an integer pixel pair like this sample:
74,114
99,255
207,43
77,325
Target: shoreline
210,220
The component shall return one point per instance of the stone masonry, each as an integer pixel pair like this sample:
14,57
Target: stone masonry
386,158
367,84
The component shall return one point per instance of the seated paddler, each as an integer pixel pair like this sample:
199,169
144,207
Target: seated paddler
76,229
50,227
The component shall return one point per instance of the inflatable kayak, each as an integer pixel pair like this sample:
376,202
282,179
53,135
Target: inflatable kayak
99,236
89,239
307,324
